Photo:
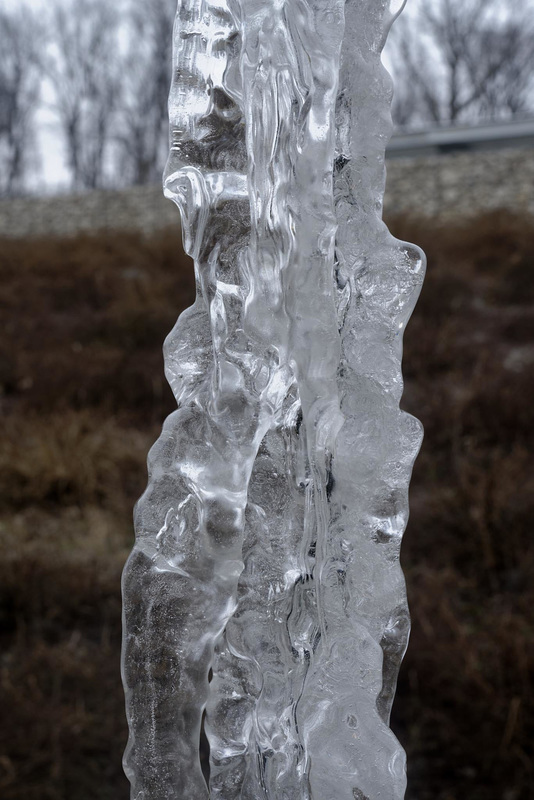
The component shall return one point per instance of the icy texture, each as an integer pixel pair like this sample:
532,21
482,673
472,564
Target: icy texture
265,584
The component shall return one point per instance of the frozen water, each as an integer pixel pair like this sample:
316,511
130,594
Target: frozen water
265,585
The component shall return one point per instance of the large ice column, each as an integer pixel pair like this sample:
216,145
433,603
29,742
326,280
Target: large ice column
265,585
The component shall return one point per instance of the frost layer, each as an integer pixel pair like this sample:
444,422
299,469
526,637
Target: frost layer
265,587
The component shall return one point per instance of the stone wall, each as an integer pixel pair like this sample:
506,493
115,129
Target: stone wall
461,184
140,208
453,185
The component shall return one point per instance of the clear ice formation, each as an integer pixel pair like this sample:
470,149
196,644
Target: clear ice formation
265,588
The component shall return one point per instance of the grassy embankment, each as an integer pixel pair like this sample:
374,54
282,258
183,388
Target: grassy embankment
83,397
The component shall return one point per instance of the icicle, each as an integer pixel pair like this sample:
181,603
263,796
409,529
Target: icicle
267,550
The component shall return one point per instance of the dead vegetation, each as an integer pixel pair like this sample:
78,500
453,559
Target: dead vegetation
83,396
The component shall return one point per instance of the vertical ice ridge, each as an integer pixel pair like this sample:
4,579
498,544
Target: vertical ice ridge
181,579
363,589
267,541
289,91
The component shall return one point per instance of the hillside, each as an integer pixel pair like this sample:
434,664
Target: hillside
83,397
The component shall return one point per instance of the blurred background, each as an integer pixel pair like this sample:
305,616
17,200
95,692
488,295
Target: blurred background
92,278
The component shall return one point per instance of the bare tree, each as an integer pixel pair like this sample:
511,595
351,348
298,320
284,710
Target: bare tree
84,70
19,93
142,134
463,60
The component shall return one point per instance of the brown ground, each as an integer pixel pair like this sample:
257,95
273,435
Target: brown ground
83,396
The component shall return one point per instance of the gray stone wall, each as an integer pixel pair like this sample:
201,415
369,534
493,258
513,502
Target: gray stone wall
448,186
461,184
141,208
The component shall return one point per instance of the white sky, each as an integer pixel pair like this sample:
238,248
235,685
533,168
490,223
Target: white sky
52,170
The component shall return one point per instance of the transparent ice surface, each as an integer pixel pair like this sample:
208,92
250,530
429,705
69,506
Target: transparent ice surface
264,588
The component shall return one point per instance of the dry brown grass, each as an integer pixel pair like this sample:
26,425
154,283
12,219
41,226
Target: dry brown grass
83,394
465,706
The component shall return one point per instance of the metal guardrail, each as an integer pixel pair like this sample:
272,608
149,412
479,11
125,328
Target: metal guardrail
436,141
